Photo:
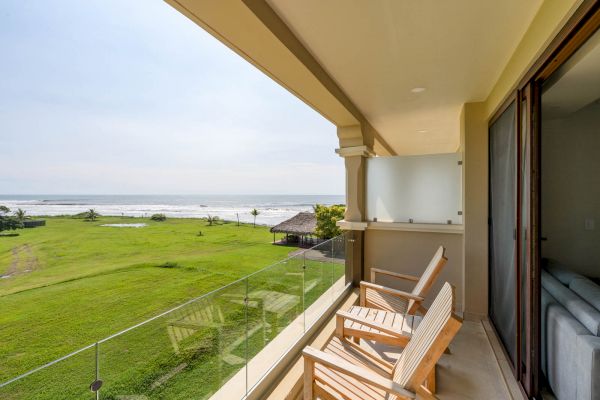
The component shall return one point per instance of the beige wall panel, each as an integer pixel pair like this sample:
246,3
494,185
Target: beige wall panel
476,208
410,252
550,18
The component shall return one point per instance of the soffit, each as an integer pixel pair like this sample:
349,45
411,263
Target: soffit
378,50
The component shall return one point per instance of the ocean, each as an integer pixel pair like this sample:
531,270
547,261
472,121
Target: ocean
273,208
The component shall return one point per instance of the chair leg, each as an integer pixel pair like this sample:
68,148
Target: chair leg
362,298
424,394
430,383
339,326
309,370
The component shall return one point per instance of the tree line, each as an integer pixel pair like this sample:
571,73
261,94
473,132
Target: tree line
11,221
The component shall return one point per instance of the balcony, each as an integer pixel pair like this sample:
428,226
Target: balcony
244,341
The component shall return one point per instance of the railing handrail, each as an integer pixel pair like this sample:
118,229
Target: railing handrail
74,353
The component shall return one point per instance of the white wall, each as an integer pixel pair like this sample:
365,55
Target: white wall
571,190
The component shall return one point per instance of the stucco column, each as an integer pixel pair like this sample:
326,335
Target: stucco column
354,222
355,188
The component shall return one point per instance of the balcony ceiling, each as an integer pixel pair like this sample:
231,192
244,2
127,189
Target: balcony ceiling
378,50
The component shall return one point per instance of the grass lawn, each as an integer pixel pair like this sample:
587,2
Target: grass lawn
73,282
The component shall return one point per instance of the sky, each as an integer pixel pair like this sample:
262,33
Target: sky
131,97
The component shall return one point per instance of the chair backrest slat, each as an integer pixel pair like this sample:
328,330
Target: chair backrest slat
428,277
429,341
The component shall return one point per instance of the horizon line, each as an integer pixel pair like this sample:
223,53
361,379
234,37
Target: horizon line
171,194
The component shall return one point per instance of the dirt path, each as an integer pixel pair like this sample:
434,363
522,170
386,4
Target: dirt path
23,261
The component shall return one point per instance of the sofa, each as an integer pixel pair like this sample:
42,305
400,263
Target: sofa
570,312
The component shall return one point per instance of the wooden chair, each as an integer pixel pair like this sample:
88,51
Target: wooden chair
344,370
385,298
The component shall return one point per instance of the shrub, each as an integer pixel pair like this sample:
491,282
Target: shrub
76,216
8,234
8,222
20,215
158,217
168,264
327,217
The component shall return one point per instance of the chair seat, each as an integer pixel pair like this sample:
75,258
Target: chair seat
402,323
344,386
385,301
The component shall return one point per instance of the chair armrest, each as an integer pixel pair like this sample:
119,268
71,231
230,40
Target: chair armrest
406,277
370,324
359,373
385,289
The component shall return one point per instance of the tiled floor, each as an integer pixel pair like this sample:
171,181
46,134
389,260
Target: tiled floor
471,371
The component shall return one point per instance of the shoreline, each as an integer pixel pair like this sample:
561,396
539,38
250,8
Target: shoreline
75,216
273,209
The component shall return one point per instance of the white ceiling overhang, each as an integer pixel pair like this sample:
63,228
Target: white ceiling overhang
357,61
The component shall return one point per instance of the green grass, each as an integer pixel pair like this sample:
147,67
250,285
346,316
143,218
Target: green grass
86,282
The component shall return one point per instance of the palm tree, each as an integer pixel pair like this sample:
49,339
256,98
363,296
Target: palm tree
91,215
212,220
20,214
254,213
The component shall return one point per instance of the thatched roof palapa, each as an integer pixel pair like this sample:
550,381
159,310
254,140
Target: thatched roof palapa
303,223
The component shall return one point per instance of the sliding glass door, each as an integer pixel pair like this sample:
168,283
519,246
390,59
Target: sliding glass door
502,229
567,71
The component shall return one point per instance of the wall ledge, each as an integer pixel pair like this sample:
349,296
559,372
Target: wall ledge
354,151
352,225
404,226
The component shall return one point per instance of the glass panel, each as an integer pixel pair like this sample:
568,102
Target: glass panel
187,353
275,315
502,228
67,379
426,188
319,276
338,258
229,336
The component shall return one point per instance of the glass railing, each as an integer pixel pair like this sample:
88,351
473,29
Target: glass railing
220,343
